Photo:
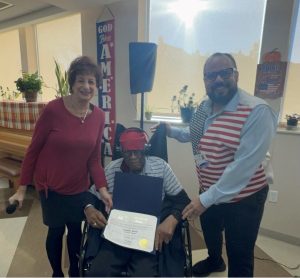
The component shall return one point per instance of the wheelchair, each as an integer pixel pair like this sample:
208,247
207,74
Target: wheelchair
88,250
179,263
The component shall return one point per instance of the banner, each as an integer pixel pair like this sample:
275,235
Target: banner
270,76
106,60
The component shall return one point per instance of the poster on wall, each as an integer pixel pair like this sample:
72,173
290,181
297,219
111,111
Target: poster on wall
270,76
106,96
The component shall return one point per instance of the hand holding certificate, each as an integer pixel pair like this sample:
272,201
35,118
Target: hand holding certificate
137,203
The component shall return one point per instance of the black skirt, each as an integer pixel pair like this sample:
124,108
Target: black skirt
58,209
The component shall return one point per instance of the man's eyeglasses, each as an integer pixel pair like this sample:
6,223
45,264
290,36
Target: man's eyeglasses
224,74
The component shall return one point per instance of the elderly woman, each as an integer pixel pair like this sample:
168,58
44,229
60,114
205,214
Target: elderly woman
63,154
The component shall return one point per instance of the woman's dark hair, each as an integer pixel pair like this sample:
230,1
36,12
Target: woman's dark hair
83,65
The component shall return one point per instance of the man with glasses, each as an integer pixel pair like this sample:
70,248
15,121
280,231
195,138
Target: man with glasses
230,133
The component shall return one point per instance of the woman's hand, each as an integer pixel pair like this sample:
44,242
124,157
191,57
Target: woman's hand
106,198
18,196
94,217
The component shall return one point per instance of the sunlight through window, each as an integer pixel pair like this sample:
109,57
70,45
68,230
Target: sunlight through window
187,10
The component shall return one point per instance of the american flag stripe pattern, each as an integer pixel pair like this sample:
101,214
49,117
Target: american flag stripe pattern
219,144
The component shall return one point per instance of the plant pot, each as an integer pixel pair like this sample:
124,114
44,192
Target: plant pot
148,116
291,123
30,96
186,114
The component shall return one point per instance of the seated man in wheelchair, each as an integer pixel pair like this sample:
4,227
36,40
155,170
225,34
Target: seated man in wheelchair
108,259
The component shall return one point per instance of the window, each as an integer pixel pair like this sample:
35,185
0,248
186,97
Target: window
291,102
186,40
10,59
58,39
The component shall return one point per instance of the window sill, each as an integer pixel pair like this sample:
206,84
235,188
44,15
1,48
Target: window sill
176,121
283,130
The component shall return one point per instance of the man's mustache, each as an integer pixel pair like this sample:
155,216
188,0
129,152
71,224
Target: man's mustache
217,85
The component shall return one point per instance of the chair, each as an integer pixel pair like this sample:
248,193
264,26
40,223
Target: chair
87,249
11,170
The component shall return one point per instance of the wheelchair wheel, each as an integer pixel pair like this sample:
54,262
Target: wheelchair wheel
188,249
82,262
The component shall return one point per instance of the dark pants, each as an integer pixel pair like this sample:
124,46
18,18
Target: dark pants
240,221
54,248
112,260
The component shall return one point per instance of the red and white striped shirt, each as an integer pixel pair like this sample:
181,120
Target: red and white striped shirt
219,144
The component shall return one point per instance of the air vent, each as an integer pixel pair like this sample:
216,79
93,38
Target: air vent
4,5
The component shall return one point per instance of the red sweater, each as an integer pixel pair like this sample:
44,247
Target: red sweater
64,151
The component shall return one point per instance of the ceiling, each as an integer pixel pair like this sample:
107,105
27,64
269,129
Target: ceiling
23,11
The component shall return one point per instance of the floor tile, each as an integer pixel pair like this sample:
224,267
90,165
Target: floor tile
10,234
281,252
3,183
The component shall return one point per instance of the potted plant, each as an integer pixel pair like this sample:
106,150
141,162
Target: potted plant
148,112
185,103
30,85
292,121
7,94
62,81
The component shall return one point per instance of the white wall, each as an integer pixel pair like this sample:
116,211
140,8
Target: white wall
126,20
282,219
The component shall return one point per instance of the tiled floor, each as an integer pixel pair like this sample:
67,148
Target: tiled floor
13,240
10,233
281,252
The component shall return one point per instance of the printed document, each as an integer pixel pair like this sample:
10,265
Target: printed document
132,230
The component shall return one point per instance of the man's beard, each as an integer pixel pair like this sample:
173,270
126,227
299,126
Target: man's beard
221,98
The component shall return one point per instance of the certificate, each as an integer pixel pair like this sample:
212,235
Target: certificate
132,230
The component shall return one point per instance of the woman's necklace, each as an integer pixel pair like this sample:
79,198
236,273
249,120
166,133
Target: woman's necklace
82,119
